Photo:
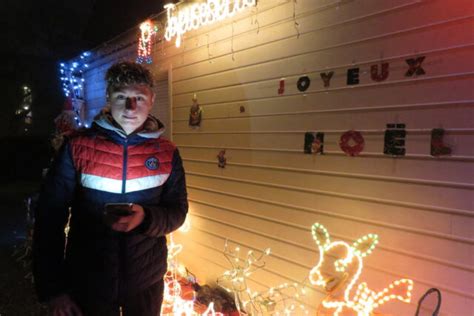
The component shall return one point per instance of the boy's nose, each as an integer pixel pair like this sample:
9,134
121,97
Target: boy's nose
131,103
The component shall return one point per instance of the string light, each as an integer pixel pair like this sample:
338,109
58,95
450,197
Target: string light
186,225
71,75
145,41
365,300
196,15
280,300
173,302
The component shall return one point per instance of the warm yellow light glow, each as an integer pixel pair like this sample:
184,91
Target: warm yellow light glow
198,14
173,303
342,280
186,225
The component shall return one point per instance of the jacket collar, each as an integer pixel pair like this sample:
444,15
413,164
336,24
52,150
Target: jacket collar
152,128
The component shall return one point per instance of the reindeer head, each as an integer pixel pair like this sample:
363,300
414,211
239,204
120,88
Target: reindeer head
338,261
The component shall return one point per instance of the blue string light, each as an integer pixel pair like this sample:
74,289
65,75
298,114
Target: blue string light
71,75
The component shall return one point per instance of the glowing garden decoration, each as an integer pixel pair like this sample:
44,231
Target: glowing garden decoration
173,302
338,270
196,15
279,300
145,41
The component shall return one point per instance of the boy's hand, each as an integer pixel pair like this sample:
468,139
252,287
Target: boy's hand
125,223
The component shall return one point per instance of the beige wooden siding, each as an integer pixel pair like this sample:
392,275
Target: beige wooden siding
270,193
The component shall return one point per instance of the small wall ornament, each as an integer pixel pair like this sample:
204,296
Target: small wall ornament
415,66
352,143
314,143
303,83
281,88
394,140
195,113
438,148
221,159
375,75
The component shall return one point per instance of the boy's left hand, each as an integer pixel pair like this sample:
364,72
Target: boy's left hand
127,222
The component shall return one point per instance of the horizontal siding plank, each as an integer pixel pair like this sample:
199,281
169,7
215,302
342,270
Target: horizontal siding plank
460,117
368,188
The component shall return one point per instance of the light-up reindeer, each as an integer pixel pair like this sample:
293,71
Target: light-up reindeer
338,270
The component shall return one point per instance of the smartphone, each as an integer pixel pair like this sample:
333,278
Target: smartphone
119,209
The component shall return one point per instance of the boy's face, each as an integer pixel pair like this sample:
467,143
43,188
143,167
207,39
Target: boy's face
130,106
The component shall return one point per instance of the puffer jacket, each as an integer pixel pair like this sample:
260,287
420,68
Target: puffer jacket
98,166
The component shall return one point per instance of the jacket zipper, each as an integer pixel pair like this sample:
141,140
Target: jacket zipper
121,271
125,161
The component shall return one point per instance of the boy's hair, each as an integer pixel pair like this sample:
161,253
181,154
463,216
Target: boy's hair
125,73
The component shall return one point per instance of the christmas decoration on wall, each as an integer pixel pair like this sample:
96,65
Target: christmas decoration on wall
221,159
314,143
326,77
281,88
352,143
195,113
429,303
415,66
375,75
282,299
338,270
353,76
378,73
394,140
145,42
303,83
438,148
195,15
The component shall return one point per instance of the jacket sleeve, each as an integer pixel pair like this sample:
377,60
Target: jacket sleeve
51,217
169,214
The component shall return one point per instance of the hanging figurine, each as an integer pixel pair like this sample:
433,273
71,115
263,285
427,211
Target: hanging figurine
314,143
438,147
195,113
221,159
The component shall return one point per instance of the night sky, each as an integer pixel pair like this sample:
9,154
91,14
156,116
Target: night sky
37,35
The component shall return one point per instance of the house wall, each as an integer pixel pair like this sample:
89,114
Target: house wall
270,192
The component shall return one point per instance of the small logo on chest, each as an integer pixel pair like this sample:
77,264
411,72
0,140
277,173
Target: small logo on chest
152,163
